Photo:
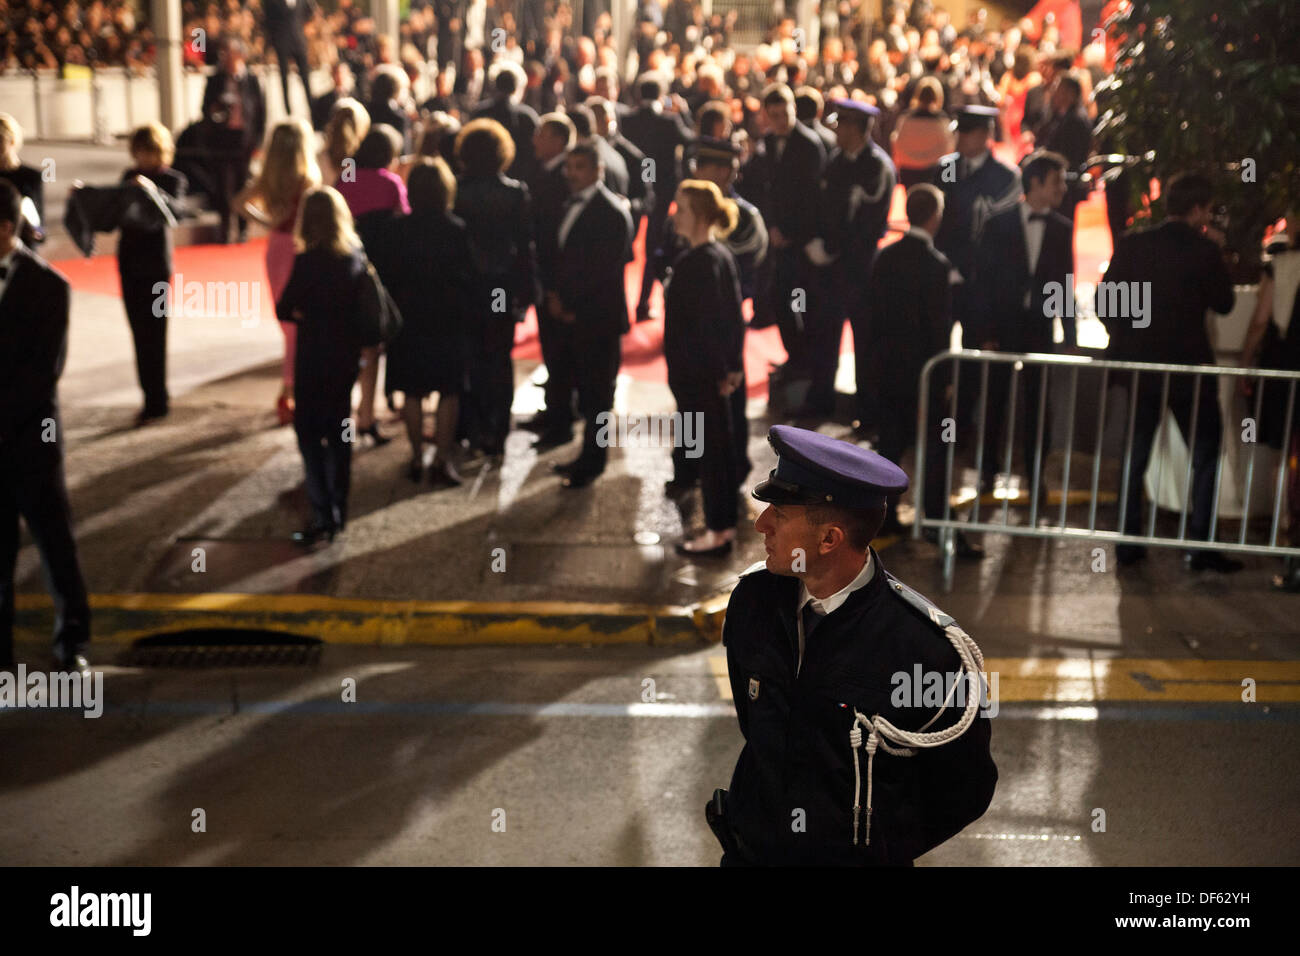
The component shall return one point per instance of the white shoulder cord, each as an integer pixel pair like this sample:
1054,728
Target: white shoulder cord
881,731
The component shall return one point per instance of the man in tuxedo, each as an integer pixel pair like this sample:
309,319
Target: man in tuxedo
856,190
1023,265
1068,131
285,20
507,82
235,108
976,186
552,140
788,177
1182,260
912,306
33,346
659,135
590,298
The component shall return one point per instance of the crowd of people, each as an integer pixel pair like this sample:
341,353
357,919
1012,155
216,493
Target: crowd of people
522,183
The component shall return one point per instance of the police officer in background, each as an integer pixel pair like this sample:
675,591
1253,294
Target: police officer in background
976,186
840,764
856,189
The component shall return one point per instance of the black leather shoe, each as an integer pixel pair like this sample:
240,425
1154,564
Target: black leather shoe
443,474
74,663
312,534
1212,561
550,439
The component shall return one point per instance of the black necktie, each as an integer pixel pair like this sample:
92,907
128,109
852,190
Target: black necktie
810,619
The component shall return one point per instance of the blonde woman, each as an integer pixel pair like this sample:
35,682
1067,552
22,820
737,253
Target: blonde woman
704,337
323,299
347,127
26,179
288,171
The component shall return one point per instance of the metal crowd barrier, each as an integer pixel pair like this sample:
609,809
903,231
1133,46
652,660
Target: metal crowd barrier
949,523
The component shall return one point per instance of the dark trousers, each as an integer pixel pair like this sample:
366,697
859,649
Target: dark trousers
795,312
326,462
824,330
720,461
1026,418
556,339
594,377
149,333
292,49
231,155
486,407
898,433
1205,446
866,367
32,485
654,231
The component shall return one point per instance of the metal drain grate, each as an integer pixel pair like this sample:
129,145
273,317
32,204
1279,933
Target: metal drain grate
224,647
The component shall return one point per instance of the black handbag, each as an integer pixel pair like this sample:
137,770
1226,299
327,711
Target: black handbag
380,316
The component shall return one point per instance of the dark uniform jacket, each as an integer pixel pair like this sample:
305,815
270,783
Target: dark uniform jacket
911,313
1188,277
797,755
639,192
659,135
969,202
855,198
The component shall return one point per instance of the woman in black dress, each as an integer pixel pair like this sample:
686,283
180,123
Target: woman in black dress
704,336
334,332
497,214
424,261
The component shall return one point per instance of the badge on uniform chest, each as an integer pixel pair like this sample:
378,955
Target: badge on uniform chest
753,688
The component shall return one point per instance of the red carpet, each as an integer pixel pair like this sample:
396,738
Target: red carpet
642,347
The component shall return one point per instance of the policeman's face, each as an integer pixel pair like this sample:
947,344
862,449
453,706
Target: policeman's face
788,537
973,142
849,136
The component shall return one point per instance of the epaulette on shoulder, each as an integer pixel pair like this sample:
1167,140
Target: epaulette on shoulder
918,603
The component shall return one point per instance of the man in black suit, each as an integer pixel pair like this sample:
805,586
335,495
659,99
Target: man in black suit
549,190
659,135
856,190
590,299
1173,274
1068,131
285,20
507,82
808,108
235,109
616,171
1022,271
912,318
33,346
788,175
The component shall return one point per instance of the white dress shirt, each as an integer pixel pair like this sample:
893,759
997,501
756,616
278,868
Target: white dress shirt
1033,239
574,210
7,264
831,603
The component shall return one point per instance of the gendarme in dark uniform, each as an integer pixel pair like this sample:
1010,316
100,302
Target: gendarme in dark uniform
803,680
975,189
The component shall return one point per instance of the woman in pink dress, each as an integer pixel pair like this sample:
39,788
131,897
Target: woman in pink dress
289,169
374,193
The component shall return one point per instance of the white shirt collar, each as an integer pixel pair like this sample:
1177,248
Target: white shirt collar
918,233
8,260
553,162
828,605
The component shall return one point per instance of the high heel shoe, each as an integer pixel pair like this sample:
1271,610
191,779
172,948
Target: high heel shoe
373,432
